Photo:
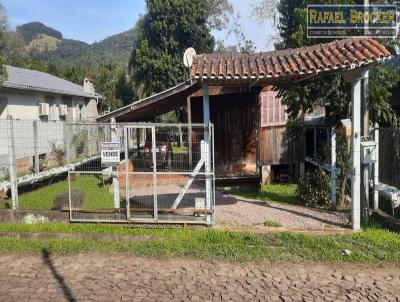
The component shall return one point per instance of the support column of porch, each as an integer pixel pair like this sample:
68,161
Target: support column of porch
206,120
365,173
354,77
376,168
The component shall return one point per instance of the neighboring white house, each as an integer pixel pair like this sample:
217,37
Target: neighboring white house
40,104
34,95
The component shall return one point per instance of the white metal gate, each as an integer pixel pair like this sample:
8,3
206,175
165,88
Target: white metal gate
165,173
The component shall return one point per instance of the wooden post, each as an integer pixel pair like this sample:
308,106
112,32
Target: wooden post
138,138
266,174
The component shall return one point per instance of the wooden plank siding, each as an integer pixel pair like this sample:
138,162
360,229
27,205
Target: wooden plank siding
235,119
277,147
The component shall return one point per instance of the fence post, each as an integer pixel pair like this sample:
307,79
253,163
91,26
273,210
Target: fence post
189,117
154,155
376,168
11,161
35,146
66,141
333,167
115,181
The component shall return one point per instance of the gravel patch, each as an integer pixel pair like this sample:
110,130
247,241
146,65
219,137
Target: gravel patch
238,211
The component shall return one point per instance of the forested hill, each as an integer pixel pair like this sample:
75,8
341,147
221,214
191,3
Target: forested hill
44,43
32,30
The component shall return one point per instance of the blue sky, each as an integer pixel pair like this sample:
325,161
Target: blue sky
94,20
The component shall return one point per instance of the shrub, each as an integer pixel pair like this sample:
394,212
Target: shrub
314,189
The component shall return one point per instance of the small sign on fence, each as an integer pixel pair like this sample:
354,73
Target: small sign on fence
110,153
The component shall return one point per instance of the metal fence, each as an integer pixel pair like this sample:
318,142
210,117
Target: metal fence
31,155
164,172
379,170
389,156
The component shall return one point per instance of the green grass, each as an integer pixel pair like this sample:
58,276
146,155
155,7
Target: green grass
282,193
369,246
272,224
179,150
96,195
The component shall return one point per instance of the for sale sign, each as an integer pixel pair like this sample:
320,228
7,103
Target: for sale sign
110,154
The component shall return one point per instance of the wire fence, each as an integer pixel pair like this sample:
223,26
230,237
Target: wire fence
389,156
164,172
389,170
31,157
379,169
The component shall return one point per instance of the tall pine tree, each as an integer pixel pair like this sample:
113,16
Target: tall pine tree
168,28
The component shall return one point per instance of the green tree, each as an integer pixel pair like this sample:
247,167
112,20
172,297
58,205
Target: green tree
3,31
307,95
330,89
124,88
75,74
167,29
104,82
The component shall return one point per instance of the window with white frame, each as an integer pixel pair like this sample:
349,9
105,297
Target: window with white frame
273,112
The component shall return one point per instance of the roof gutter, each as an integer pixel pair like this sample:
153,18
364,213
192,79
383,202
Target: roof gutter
37,89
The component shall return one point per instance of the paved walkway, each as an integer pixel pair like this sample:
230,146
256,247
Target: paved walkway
116,277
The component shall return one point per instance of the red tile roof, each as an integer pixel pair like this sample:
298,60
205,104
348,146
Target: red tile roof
287,64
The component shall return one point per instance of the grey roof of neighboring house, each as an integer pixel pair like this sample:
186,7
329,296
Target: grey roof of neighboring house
27,79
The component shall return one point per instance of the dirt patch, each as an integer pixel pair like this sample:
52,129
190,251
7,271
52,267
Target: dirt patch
62,200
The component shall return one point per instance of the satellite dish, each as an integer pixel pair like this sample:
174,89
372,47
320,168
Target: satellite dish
188,57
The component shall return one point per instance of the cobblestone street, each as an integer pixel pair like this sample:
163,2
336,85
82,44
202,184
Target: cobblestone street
119,277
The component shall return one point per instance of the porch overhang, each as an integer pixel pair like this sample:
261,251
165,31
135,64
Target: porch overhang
259,69
148,108
289,65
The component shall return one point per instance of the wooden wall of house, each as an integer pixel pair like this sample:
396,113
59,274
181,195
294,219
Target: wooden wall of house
235,118
277,147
